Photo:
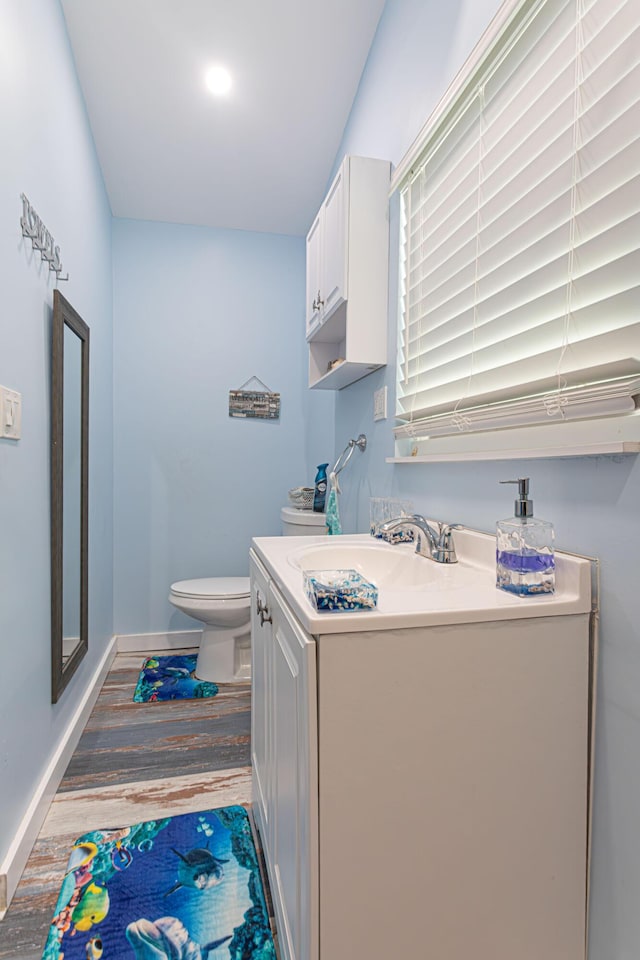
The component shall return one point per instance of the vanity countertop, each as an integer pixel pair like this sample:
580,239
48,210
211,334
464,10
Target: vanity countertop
464,592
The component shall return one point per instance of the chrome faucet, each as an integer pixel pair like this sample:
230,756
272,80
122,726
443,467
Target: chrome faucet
435,544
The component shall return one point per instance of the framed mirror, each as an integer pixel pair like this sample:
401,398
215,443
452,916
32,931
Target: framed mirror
69,492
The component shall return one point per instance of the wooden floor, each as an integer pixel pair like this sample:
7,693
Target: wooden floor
134,762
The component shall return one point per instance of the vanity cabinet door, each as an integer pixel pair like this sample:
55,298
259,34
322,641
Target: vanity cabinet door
261,673
294,826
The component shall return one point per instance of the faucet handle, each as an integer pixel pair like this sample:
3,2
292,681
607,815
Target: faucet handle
445,529
447,550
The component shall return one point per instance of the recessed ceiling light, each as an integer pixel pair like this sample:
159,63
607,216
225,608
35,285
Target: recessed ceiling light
218,80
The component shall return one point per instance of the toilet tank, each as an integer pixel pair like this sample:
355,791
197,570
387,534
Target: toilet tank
302,523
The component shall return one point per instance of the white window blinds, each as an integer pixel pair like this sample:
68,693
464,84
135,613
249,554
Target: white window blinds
520,253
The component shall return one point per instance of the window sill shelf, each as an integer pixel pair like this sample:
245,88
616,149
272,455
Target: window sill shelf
617,448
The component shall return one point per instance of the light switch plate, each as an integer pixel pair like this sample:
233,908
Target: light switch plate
380,404
10,413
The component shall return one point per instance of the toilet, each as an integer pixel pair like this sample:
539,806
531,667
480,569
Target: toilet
302,523
223,605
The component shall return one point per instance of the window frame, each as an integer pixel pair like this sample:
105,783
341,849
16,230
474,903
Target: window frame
579,437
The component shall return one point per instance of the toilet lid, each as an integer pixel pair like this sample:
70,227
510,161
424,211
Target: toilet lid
230,588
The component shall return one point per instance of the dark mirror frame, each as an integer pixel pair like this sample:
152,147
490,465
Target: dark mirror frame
65,315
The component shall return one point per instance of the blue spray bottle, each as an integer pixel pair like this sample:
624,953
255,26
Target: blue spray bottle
320,489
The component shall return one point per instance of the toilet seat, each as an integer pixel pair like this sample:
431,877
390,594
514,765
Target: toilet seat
213,588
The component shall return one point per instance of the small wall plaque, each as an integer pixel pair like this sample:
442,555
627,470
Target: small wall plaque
254,404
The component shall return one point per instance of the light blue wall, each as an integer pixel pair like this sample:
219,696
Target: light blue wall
48,153
198,312
593,502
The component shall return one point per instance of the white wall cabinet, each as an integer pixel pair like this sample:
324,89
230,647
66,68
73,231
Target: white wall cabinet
347,276
427,788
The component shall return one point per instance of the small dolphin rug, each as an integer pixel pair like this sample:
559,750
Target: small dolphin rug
181,888
171,678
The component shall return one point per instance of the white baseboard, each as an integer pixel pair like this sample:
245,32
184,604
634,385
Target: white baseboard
157,642
16,859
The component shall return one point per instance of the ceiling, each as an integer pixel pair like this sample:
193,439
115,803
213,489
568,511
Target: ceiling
258,159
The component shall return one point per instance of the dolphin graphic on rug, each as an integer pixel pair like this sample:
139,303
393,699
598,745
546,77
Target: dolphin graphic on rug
198,868
167,939
177,671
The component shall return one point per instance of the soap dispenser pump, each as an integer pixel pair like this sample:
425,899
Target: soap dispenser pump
525,562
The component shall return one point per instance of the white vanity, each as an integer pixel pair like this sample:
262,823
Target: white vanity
421,772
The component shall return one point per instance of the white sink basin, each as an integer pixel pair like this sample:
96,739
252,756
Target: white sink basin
412,590
388,567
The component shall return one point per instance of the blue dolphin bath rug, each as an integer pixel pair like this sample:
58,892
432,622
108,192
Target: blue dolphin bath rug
180,888
171,678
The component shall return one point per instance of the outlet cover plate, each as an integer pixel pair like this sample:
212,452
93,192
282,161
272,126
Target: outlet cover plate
380,404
